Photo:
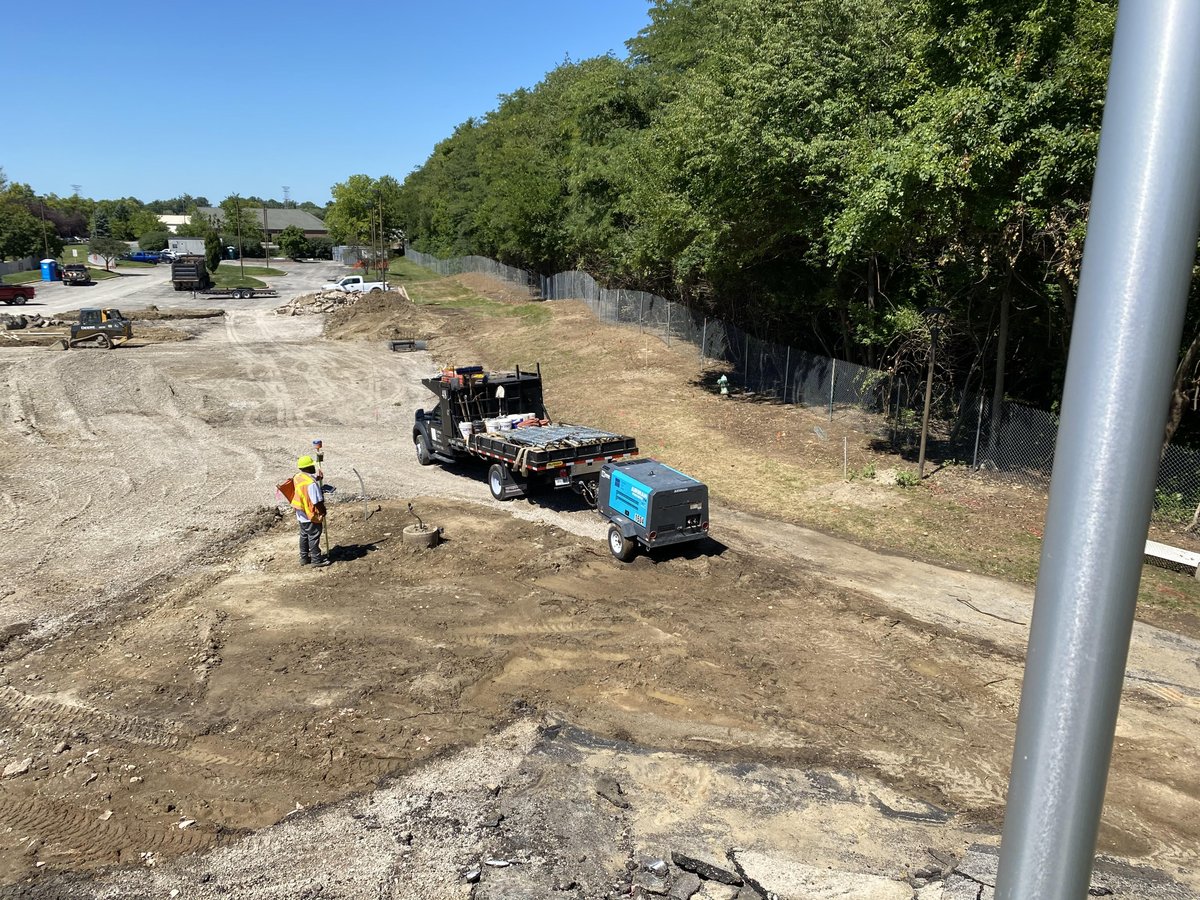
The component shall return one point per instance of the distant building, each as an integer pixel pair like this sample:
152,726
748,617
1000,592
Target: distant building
275,220
173,222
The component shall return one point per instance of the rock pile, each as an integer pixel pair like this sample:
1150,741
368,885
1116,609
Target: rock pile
9,322
328,301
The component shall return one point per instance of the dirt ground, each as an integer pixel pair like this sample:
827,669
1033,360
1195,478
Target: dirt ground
180,686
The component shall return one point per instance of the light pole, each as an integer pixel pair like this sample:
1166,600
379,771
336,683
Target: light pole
931,313
237,202
45,239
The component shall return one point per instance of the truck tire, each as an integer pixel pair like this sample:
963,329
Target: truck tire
496,478
376,290
424,457
622,547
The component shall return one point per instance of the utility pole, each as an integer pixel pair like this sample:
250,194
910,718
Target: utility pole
266,236
237,202
45,239
382,246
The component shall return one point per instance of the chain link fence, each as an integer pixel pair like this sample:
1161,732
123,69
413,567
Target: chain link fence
1018,444
478,264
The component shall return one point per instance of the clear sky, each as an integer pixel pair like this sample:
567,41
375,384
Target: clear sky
211,97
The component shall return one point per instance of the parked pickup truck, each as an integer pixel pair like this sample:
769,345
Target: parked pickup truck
76,274
16,293
356,284
500,419
143,256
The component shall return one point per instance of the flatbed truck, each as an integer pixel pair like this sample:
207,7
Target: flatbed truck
500,418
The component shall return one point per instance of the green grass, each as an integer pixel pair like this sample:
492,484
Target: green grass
23,277
405,270
231,277
231,265
130,264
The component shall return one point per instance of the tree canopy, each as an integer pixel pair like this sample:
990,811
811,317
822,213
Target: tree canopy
816,171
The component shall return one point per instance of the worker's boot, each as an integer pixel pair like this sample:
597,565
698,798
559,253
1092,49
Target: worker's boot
322,562
305,561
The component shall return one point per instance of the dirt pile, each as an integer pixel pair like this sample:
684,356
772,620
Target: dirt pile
330,301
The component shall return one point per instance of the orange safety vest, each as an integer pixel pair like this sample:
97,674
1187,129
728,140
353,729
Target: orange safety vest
300,499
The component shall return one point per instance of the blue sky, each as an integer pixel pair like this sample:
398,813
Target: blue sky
213,98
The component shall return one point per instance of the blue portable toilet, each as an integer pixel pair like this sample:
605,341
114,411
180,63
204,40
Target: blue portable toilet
49,269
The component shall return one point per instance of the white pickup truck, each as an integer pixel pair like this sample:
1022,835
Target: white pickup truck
355,284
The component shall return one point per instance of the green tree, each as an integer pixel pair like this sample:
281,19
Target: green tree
359,204
154,240
107,248
101,226
236,214
292,242
213,250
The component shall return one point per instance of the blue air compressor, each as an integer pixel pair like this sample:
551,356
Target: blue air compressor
651,505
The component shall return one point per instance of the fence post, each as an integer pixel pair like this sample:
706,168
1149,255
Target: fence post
641,306
832,382
703,339
669,305
978,429
787,367
747,358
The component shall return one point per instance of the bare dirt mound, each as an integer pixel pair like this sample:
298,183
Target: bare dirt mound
206,708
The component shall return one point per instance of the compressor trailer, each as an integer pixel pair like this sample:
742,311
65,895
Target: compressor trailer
500,418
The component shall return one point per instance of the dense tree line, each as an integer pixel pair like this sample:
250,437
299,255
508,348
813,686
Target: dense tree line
831,173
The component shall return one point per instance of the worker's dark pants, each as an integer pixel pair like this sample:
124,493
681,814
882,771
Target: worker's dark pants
310,542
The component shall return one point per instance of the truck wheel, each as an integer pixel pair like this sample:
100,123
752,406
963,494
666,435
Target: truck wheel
496,478
622,547
376,290
424,457
20,301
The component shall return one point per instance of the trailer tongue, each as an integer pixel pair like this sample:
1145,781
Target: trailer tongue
500,417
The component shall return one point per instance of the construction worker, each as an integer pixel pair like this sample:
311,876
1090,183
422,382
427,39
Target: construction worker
309,502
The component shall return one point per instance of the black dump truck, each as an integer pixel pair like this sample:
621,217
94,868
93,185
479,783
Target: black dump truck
500,418
189,273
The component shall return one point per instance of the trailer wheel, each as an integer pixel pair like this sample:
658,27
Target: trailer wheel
622,547
496,478
424,457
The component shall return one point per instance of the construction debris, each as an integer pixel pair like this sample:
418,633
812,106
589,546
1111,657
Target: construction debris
328,301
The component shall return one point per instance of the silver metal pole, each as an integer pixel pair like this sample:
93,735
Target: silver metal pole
703,339
787,368
1141,243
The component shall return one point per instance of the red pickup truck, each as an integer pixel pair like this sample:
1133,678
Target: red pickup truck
16,293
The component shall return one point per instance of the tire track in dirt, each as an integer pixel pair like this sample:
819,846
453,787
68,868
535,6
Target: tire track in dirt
83,837
64,717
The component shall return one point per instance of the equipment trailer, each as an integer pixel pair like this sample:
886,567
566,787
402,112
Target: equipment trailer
500,417
241,293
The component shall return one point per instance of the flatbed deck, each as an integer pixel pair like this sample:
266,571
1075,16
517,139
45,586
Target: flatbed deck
500,417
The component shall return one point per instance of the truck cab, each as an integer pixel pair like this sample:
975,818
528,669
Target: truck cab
355,284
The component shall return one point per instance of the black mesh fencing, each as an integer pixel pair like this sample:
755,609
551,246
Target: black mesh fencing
1019,444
